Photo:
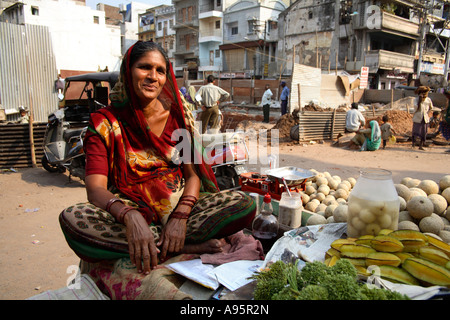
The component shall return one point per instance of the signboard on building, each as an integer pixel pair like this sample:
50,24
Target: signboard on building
235,75
433,68
364,80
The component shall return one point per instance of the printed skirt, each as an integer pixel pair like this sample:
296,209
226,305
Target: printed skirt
94,234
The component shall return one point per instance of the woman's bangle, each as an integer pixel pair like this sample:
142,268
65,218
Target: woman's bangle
123,212
111,201
189,197
186,203
188,200
179,215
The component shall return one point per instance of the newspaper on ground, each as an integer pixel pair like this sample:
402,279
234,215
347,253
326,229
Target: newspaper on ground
307,243
310,243
232,275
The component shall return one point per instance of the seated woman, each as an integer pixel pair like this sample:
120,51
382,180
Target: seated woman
143,201
368,139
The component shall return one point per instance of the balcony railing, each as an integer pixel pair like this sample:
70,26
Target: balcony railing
210,35
389,22
209,7
388,60
382,59
186,24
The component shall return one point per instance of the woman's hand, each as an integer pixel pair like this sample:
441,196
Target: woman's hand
174,232
172,237
141,244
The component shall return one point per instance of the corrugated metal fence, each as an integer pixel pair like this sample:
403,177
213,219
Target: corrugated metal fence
27,71
326,125
15,146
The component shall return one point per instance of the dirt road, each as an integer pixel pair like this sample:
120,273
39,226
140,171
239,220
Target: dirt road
34,256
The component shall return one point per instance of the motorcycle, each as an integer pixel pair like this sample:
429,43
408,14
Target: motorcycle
63,147
66,127
227,154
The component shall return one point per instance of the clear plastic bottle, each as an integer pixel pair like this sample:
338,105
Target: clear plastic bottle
265,225
373,204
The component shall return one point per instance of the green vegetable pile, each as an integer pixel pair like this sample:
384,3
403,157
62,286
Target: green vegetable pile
316,281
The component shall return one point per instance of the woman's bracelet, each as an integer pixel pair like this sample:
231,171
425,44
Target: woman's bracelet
111,201
188,200
189,197
179,215
123,212
187,203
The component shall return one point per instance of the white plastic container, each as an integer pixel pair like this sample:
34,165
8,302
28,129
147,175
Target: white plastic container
290,210
373,204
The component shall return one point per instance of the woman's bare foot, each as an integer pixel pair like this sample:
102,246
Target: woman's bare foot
209,246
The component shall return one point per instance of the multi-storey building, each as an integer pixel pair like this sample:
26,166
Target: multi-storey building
250,37
156,24
226,36
395,39
129,28
186,44
210,37
165,34
147,21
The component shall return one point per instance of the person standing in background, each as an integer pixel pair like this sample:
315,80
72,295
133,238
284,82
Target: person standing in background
284,97
387,130
210,95
265,102
422,105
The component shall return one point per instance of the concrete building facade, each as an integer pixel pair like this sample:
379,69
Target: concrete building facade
250,38
81,39
156,24
396,40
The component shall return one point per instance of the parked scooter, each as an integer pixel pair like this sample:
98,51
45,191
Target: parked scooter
63,146
227,154
63,140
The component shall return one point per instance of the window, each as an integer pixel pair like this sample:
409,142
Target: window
96,20
251,26
183,14
34,10
159,26
190,12
234,31
187,39
217,53
273,25
310,15
218,24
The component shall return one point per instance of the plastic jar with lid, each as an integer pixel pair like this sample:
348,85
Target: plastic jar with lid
290,209
373,204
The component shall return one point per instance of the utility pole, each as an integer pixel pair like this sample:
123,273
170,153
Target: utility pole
423,26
